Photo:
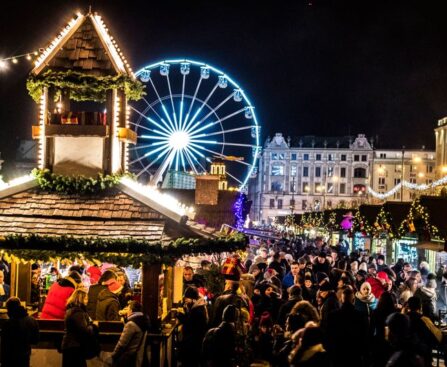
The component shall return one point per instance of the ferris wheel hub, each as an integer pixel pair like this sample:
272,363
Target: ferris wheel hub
179,140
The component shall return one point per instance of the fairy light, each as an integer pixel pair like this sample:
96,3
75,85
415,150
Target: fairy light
42,115
114,137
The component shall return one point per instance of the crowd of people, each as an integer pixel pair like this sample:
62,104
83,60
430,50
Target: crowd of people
304,303
286,303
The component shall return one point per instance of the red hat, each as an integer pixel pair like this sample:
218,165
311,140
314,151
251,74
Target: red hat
113,285
382,275
94,273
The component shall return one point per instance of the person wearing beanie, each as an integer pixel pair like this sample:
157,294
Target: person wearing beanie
108,305
308,289
295,295
18,333
378,280
427,295
95,289
321,264
56,301
194,322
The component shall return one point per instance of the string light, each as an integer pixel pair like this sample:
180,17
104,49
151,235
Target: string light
408,185
5,61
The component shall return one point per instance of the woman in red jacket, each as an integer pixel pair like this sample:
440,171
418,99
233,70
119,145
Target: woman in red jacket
55,304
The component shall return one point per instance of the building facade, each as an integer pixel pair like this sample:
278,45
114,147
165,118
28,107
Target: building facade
441,147
310,173
419,167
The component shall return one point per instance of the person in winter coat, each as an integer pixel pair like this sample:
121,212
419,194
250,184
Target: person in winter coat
310,352
347,327
56,302
289,279
428,297
230,296
365,302
108,305
219,350
321,264
284,310
95,289
17,335
194,326
378,281
4,288
408,289
132,338
79,331
270,301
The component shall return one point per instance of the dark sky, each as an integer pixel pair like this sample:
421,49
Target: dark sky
321,69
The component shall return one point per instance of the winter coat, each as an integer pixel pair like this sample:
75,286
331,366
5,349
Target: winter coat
314,356
227,298
78,328
93,293
224,355
347,327
365,304
5,297
108,306
55,304
285,309
428,299
131,340
195,325
17,335
288,280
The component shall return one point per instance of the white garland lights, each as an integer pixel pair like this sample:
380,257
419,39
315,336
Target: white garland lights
408,185
15,182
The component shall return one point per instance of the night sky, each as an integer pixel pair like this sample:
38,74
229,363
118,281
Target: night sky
319,68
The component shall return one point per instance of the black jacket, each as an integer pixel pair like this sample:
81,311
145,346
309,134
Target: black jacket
18,333
78,328
93,293
285,309
108,306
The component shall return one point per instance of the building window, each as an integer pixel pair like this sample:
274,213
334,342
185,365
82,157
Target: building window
318,188
359,189
396,181
305,171
278,170
383,155
293,170
272,203
429,169
330,188
279,203
317,171
428,182
397,195
343,157
304,205
293,186
318,157
381,181
305,156
277,186
306,187
277,156
360,172
342,188
330,157
356,158
364,158
329,204
343,172
293,157
412,180
292,203
330,171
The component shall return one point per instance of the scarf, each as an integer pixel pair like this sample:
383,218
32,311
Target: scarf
366,299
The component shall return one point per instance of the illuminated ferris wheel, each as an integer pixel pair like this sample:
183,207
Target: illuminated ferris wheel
192,115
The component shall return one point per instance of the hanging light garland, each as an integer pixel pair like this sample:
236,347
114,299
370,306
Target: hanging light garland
5,62
408,185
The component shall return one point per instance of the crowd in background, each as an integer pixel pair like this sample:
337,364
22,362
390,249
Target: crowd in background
304,303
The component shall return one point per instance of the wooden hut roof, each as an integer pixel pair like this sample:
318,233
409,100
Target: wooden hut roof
437,208
84,45
370,212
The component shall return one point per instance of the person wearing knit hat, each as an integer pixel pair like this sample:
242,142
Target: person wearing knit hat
427,295
108,305
295,295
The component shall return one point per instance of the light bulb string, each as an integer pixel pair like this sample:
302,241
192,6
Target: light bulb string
28,55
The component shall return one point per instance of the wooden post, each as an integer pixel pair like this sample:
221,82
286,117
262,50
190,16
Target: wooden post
150,295
21,281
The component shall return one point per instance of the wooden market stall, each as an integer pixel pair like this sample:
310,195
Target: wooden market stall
80,204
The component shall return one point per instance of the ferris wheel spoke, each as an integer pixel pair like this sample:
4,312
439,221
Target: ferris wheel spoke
166,147
166,161
233,177
146,145
167,129
182,158
157,114
223,132
193,100
172,103
153,137
152,163
214,110
161,103
218,121
201,106
191,163
195,158
222,143
181,102
223,156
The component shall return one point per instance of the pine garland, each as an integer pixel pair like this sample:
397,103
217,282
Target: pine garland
84,87
81,185
128,252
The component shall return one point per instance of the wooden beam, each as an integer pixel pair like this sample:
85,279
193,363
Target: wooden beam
150,295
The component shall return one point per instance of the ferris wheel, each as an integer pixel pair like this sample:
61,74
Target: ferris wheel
192,115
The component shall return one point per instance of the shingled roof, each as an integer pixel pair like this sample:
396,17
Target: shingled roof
111,214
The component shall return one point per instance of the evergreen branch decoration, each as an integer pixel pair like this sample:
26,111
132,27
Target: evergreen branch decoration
61,184
83,87
129,252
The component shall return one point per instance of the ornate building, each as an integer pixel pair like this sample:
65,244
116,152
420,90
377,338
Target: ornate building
310,173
